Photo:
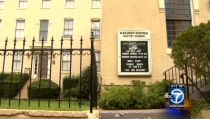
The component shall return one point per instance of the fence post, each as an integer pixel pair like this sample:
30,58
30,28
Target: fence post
92,75
187,96
2,78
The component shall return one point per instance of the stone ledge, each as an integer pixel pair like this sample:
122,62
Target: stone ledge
43,113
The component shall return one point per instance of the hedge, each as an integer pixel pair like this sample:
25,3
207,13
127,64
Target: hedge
45,91
126,97
5,75
74,82
15,86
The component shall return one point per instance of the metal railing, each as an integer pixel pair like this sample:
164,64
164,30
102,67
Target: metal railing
187,76
51,52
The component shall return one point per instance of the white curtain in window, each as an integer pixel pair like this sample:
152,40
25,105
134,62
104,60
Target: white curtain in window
97,54
95,25
46,3
66,61
23,4
1,4
20,28
17,61
69,3
68,28
96,3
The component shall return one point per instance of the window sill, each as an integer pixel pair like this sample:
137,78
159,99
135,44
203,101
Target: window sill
95,7
67,38
21,8
19,38
65,72
45,7
41,41
69,8
97,39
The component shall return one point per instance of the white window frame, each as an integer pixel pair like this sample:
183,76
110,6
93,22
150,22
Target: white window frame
70,3
96,3
17,59
41,30
94,29
46,3
20,25
98,60
23,3
68,28
66,59
1,4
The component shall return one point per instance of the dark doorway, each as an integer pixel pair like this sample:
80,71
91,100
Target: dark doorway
44,67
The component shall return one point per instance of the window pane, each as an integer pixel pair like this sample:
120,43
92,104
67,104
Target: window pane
23,4
96,3
98,67
95,25
68,24
69,3
44,35
97,54
66,66
44,25
1,4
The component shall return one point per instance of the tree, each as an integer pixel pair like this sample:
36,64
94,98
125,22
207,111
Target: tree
192,48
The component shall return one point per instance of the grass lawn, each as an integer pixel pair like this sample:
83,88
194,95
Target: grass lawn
44,105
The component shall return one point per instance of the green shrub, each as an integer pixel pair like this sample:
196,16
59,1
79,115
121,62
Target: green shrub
85,84
66,81
5,75
75,83
15,85
45,91
123,97
138,94
198,106
114,97
74,93
156,91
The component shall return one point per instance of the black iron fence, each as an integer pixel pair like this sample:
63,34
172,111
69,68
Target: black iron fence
188,77
39,70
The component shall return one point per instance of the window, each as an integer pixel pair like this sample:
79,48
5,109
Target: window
96,3
66,61
98,61
1,4
69,3
178,18
46,3
19,32
22,3
95,28
43,34
68,28
17,61
36,64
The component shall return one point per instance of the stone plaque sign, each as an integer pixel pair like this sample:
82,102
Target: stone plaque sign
134,53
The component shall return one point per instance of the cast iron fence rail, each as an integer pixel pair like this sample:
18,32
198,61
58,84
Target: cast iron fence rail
31,53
